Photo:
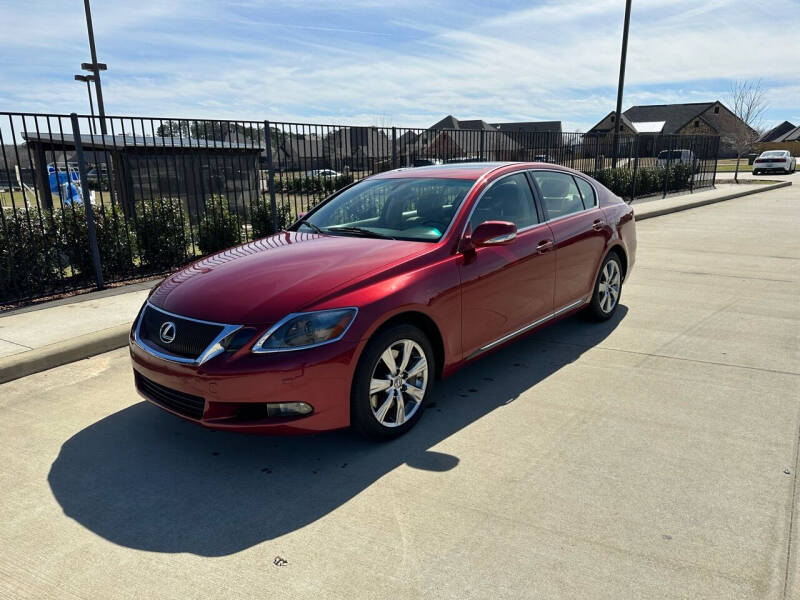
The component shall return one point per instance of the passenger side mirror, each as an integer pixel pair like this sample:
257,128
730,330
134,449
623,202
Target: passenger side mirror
494,233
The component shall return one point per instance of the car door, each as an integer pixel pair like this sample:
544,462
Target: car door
580,232
505,288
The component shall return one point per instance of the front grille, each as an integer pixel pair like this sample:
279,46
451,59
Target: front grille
191,337
180,402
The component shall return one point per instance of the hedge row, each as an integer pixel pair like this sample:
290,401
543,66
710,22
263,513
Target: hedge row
36,245
649,180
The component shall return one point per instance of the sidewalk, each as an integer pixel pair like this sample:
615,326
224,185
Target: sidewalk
43,336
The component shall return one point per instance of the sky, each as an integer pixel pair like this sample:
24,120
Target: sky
406,63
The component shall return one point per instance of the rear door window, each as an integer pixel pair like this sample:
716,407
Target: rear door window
560,194
587,193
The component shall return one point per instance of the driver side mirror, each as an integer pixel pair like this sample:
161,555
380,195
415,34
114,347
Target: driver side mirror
494,233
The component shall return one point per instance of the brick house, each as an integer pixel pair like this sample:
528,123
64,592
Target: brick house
695,118
457,140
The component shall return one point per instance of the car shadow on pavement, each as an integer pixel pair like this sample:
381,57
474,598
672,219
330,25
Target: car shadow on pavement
145,479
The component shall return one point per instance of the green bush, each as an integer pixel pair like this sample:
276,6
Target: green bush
115,241
218,228
161,233
261,219
649,180
28,252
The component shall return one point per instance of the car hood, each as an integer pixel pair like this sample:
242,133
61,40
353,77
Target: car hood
263,281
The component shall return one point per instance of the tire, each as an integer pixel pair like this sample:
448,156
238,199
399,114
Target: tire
377,415
599,309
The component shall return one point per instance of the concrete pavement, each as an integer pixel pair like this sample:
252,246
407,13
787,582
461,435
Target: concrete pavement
654,456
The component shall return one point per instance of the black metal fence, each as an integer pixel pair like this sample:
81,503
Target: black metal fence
87,204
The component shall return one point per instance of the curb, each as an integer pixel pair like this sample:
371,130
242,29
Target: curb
673,209
47,357
54,355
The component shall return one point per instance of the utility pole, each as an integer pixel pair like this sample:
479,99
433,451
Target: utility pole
618,114
95,67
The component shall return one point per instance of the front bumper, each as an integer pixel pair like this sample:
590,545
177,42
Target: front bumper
229,388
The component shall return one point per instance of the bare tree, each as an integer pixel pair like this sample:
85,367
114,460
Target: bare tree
747,103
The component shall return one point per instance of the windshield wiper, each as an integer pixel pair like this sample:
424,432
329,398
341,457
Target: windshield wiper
316,229
360,230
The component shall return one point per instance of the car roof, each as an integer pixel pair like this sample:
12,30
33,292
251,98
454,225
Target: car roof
471,170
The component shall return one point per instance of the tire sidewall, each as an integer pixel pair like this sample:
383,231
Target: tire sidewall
361,416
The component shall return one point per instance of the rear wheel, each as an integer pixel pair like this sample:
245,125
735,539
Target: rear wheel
607,289
393,379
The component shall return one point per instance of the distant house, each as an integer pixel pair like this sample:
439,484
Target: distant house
453,139
781,137
695,118
776,132
357,148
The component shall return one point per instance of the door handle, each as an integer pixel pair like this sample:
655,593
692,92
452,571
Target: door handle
544,246
597,225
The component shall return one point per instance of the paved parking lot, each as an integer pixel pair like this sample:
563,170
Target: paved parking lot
653,456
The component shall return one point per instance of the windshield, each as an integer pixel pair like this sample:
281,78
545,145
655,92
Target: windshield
666,154
774,154
418,209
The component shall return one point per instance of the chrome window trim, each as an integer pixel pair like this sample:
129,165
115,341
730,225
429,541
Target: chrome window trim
212,350
488,187
527,327
257,350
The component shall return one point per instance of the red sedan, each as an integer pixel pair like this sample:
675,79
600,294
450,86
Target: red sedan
350,316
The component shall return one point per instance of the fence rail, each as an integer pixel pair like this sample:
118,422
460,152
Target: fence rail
82,209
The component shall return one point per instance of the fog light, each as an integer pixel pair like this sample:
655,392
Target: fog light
288,409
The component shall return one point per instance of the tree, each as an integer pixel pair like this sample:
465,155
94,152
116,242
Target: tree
747,103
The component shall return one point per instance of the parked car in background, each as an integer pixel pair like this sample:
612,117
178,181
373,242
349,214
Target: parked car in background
543,158
677,157
775,160
324,173
350,316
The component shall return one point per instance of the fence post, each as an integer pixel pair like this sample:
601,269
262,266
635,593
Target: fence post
482,151
87,203
666,169
394,147
635,166
273,205
716,158
694,163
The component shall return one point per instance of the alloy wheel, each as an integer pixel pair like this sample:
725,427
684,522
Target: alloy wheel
398,383
608,289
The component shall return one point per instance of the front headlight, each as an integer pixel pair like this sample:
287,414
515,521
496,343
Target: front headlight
306,330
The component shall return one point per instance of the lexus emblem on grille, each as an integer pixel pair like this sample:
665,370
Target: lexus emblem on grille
167,332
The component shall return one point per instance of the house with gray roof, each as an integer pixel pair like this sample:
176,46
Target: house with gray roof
693,118
455,139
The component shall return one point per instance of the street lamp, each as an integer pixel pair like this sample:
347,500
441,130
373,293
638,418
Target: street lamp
622,59
95,67
88,79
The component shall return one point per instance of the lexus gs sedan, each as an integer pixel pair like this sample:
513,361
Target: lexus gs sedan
351,315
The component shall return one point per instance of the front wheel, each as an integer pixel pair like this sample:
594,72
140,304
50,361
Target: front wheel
607,289
393,379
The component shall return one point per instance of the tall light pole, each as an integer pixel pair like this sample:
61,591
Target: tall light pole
88,79
623,57
95,67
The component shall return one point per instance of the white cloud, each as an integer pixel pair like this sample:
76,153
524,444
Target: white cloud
554,60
